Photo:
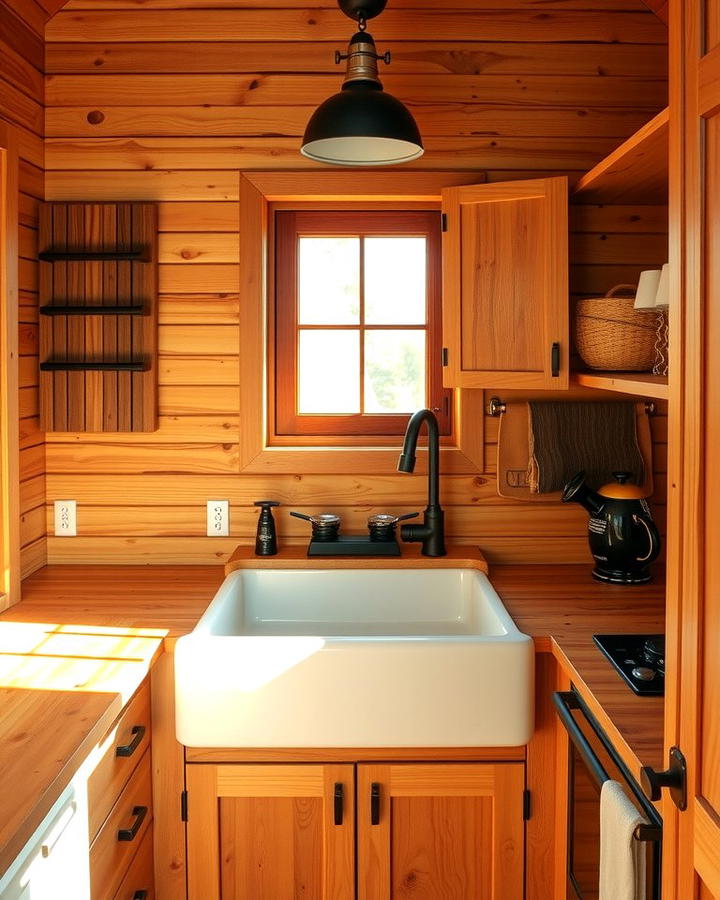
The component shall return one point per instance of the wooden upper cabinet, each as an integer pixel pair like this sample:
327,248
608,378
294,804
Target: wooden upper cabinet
505,285
270,832
441,831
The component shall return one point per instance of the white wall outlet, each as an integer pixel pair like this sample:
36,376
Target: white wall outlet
218,518
65,518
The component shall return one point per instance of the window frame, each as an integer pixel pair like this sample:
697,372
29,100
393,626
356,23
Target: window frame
259,450
290,225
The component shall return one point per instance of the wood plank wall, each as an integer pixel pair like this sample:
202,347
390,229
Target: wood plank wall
21,105
168,100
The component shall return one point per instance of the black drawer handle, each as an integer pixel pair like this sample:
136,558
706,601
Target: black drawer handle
128,834
375,803
138,733
338,803
140,895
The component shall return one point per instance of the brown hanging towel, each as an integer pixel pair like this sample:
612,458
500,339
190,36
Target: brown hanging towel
564,438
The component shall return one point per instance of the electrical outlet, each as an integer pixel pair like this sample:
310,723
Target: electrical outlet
218,518
65,518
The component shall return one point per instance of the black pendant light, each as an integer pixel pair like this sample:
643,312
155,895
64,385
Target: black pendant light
362,125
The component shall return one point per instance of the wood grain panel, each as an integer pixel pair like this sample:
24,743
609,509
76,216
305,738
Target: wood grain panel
182,551
290,121
462,57
257,89
159,185
165,521
157,153
302,25
611,5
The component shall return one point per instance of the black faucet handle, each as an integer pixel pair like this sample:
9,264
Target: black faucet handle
407,516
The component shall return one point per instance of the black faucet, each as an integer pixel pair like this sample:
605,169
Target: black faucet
432,530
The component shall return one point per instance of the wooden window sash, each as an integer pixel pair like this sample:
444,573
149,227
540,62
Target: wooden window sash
290,225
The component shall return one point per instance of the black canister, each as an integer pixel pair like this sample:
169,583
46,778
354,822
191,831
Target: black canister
266,537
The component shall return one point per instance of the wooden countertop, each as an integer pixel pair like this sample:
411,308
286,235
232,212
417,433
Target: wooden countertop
84,637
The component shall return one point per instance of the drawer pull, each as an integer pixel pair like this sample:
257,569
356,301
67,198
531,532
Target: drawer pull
140,895
375,803
138,733
338,803
128,834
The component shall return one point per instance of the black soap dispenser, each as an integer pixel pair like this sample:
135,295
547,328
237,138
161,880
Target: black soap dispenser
266,538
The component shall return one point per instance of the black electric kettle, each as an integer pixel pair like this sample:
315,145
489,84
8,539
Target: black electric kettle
622,535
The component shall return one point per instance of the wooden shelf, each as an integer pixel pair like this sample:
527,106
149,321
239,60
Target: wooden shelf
640,384
98,288
59,365
69,310
93,255
636,172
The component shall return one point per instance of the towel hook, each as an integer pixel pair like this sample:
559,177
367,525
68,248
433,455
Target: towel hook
497,407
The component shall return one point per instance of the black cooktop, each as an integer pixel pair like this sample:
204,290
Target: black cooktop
639,658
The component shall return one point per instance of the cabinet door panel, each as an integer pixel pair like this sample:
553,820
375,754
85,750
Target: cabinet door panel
271,846
505,284
269,832
443,832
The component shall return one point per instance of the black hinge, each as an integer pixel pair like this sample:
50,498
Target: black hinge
444,356
443,221
184,806
526,805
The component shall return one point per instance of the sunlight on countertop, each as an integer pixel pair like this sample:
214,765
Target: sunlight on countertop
94,658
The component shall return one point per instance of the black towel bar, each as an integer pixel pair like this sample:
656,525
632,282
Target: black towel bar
497,407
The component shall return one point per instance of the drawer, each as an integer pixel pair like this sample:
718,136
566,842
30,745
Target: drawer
124,746
140,876
117,841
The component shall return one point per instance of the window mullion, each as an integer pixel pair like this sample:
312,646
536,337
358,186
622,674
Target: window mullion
361,336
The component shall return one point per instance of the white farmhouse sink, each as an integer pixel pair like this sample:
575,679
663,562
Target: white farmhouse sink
354,658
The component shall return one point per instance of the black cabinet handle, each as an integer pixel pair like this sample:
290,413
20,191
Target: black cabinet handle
555,360
138,733
128,834
140,895
375,803
674,777
338,803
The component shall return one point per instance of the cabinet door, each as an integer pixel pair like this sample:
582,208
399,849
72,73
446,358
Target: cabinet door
441,831
693,622
270,832
505,285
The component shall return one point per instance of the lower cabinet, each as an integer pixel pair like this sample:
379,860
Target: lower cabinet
432,831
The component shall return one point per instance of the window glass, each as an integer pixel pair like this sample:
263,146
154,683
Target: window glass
394,371
328,280
329,372
395,280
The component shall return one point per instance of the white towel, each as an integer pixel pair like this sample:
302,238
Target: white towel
622,858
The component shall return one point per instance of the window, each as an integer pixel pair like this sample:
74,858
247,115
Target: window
357,322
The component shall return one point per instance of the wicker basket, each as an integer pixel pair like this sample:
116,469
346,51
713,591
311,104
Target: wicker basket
611,335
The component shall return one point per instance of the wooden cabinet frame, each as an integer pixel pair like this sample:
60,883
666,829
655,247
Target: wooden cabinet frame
434,781
462,452
505,285
691,839
208,784
9,415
